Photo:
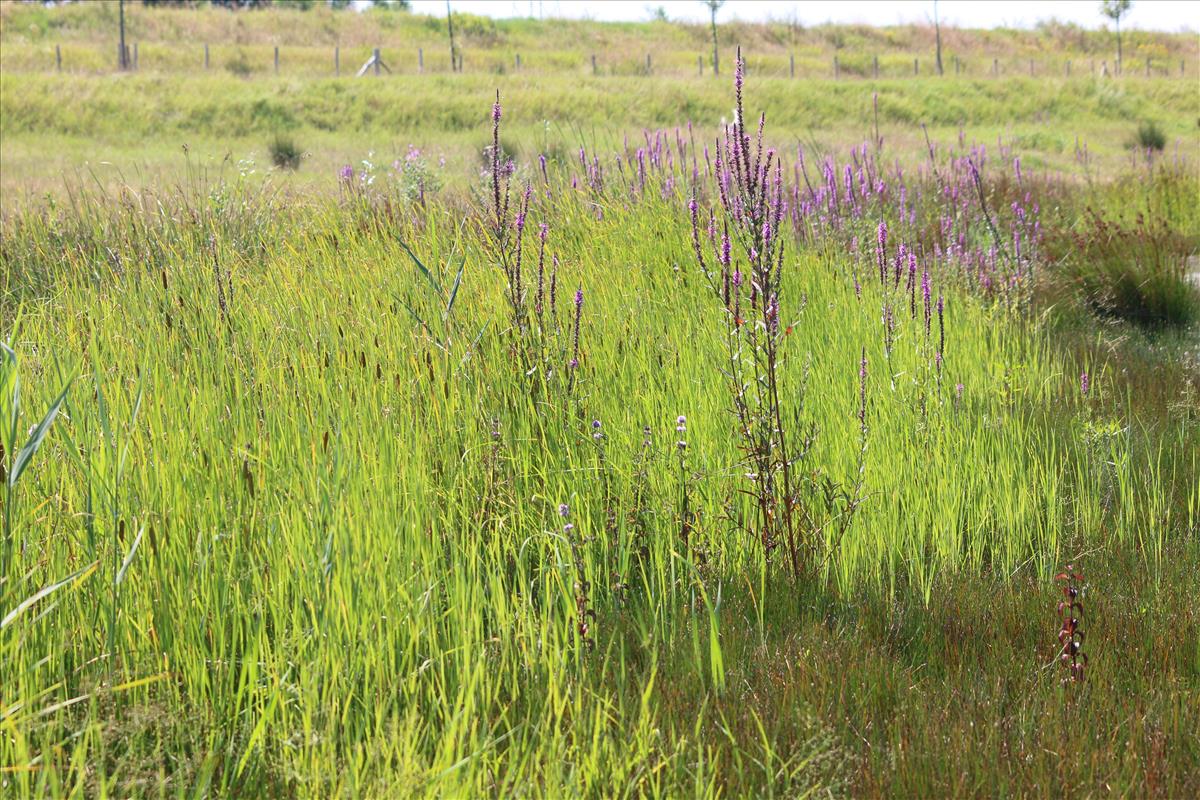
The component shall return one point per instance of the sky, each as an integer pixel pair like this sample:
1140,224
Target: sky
1163,15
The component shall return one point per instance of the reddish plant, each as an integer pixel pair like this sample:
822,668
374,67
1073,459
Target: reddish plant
1070,637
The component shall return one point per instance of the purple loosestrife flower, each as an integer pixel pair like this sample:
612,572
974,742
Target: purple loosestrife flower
925,292
693,208
496,164
346,174
862,393
881,249
1084,383
941,307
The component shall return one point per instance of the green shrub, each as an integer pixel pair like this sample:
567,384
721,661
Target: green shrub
1134,272
1150,136
285,153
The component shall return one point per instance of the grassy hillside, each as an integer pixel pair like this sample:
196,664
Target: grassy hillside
172,38
133,127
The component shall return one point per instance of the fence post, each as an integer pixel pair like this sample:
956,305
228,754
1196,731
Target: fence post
700,65
648,68
135,56
995,66
420,59
792,64
837,69
337,60
206,55
916,67
1181,70
518,60
876,67
276,59
375,53
58,57
594,70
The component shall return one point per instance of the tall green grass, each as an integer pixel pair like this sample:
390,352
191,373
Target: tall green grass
302,547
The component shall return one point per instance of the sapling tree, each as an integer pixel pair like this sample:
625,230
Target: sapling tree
1115,10
713,7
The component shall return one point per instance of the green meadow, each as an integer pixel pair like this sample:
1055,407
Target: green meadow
616,461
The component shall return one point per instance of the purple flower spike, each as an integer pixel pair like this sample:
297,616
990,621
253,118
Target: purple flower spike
563,509
1084,382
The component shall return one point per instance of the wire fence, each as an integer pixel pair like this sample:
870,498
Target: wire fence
309,61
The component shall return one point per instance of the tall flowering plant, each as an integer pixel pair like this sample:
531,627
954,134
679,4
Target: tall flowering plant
798,507
546,353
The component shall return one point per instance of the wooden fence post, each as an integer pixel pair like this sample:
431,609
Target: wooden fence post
135,56
700,65
648,68
276,59
877,67
916,67
337,60
375,53
420,59
58,57
206,55
837,68
518,61
995,66
594,70
792,64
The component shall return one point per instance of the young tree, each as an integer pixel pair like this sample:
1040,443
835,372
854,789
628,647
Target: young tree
713,7
1114,10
